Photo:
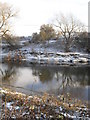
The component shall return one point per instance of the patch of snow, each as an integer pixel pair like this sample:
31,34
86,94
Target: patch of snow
60,108
3,91
17,108
9,105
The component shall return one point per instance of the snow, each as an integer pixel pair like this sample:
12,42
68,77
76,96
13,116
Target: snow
56,58
3,91
52,57
51,41
60,108
9,105
37,53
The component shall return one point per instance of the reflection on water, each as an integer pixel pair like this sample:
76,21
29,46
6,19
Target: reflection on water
57,80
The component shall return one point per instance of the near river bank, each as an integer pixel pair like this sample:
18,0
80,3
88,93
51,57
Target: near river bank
18,106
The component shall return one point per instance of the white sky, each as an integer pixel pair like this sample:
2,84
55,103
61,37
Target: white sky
34,13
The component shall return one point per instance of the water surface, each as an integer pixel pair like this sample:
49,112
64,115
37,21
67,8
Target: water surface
52,79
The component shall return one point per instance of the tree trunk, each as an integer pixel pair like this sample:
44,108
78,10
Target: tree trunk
67,46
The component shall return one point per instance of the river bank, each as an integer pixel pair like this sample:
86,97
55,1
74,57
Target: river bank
47,58
17,106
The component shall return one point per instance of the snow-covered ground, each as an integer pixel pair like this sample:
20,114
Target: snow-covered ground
47,54
47,57
58,58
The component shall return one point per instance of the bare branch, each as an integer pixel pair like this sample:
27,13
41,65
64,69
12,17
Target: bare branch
68,26
6,13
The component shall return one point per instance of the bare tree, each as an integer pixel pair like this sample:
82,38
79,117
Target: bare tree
68,26
6,13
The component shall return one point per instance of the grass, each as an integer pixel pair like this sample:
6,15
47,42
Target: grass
18,106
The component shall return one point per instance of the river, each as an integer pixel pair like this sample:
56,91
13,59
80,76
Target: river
52,79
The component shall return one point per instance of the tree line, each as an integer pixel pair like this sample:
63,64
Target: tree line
68,27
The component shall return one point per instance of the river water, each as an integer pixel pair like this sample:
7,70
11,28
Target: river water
52,79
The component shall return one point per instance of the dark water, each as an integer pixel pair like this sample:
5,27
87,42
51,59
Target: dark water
52,79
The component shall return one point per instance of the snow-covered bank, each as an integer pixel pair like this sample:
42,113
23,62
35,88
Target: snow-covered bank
45,57
46,53
41,107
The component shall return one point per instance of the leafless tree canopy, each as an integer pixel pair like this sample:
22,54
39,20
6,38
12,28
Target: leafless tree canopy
6,13
68,26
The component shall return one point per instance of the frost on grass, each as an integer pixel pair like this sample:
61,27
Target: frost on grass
41,107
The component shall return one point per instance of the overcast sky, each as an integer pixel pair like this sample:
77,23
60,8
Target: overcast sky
34,13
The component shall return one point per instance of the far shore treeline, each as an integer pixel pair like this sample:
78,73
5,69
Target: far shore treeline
67,28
